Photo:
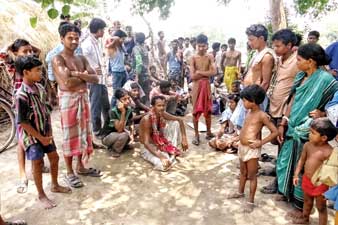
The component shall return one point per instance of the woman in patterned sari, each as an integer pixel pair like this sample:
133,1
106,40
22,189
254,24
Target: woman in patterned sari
312,89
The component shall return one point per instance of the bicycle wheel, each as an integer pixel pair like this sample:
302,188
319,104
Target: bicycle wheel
7,126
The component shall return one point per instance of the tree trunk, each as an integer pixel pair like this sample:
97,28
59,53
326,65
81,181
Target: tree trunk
278,15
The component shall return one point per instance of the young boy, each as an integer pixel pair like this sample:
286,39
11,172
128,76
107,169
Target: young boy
35,131
202,67
251,141
220,142
314,153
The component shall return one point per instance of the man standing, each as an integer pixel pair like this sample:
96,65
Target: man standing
313,37
332,52
175,60
141,64
231,64
155,136
161,52
72,74
281,82
92,50
260,68
202,67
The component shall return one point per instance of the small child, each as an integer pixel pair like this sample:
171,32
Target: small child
35,132
314,153
249,149
220,142
153,76
138,107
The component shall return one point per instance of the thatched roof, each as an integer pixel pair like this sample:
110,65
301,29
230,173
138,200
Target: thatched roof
14,17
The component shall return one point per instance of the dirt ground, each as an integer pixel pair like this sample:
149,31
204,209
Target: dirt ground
130,192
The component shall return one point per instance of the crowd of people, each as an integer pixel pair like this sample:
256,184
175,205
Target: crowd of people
290,89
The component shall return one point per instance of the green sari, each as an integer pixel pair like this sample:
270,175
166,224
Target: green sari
313,94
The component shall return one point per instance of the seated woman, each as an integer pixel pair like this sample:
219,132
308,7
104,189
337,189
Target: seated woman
226,137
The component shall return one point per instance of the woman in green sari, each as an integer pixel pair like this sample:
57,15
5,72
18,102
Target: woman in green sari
312,89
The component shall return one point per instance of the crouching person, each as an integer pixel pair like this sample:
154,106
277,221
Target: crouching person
116,135
155,135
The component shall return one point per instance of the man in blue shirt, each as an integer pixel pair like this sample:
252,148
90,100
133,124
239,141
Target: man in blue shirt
332,52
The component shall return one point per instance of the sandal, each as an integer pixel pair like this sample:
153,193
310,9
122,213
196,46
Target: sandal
73,181
209,136
18,222
196,141
23,186
91,172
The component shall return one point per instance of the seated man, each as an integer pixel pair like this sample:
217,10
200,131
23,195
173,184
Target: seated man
170,96
116,137
155,135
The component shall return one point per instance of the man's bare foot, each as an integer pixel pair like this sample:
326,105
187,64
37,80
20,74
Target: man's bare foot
47,203
61,189
249,207
294,214
301,220
235,195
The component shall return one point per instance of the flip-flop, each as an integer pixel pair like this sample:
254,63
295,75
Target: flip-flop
209,136
91,172
196,141
23,186
73,181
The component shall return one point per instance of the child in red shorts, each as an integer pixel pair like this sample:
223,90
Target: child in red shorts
314,153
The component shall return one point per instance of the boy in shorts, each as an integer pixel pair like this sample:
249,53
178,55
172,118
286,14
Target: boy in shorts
249,149
35,131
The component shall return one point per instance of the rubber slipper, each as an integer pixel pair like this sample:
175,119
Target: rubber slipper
23,186
196,141
73,181
91,172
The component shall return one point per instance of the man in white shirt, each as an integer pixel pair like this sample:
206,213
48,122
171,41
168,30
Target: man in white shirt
92,50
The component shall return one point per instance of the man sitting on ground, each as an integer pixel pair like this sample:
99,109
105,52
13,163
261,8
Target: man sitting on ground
116,136
155,136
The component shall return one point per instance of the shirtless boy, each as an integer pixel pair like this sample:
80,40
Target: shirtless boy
314,153
72,74
249,149
202,67
231,63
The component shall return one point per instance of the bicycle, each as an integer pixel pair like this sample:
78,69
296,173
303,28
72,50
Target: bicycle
7,118
7,124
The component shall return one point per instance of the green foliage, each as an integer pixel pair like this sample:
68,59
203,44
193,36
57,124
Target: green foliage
315,7
65,10
53,13
33,21
142,7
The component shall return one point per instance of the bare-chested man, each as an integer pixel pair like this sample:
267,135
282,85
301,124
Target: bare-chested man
161,52
231,63
202,67
155,135
262,63
260,67
72,74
